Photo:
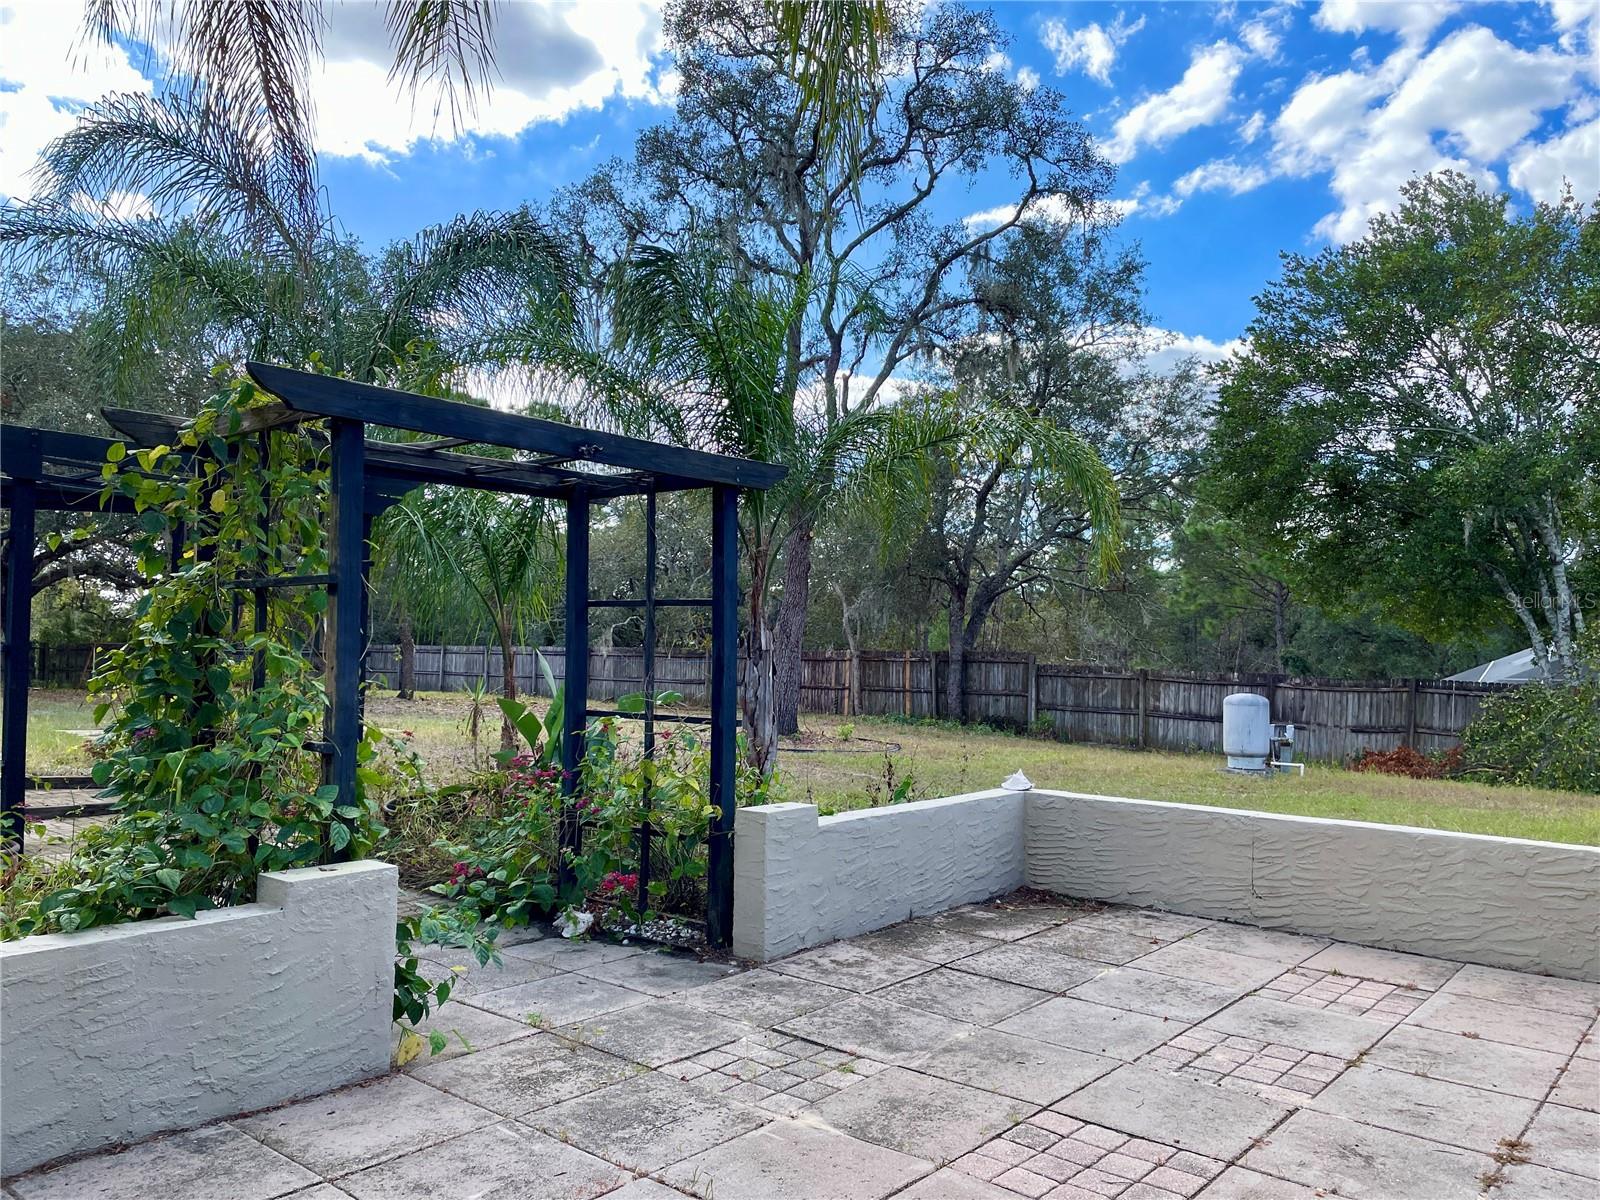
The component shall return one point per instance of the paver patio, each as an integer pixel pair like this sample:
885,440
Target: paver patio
1013,1049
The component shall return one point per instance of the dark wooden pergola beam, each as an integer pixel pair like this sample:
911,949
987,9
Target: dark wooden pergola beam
329,397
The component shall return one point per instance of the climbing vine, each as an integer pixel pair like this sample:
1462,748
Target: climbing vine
209,707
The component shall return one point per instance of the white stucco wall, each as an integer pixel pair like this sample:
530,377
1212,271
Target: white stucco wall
113,1034
800,879
1504,902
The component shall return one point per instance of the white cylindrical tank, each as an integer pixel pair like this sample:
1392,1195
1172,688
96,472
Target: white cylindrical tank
1246,731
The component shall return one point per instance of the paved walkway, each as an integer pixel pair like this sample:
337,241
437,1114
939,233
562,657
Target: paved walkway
995,1052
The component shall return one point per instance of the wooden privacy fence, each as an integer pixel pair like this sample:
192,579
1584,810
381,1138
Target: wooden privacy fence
1335,719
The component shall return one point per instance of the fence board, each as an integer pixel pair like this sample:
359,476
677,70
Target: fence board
1169,710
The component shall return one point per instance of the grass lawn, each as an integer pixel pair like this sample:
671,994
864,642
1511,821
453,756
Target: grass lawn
944,761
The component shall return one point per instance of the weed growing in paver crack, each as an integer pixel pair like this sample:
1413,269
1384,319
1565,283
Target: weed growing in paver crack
1491,1179
1512,1150
693,1185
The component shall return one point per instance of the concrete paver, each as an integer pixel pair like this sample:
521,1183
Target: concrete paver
795,1160
924,940
560,1000
1084,941
1361,1162
1469,1117
359,1126
1513,1024
1386,966
966,997
648,1122
928,1118
765,997
660,974
1159,995
1141,1101
218,1162
516,1078
506,1161
1567,1139
657,1033
1314,1030
468,1029
875,1028
1014,1066
856,965
1187,1058
1515,1070
1097,1028
1031,966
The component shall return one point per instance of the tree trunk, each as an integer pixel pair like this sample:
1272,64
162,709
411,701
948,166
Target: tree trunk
761,730
508,681
791,628
955,679
1280,604
408,657
756,693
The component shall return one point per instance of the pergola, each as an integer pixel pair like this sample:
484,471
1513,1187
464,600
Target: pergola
580,467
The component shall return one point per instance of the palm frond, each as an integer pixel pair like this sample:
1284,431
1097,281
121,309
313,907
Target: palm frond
466,280
835,54
185,156
445,45
248,61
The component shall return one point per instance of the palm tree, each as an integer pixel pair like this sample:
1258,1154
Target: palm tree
504,552
717,344
252,59
240,262
229,249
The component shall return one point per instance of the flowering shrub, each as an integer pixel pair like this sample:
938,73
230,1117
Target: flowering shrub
506,870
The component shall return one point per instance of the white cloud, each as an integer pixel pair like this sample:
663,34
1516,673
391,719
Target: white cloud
1412,20
1222,175
1578,24
553,59
1252,128
48,74
1092,47
1045,208
1057,209
1543,169
1463,105
1174,347
1199,98
1027,78
1261,39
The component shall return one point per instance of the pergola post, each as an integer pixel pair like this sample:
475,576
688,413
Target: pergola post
17,617
342,640
724,711
575,682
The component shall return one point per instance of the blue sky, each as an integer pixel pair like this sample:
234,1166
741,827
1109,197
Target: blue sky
1240,130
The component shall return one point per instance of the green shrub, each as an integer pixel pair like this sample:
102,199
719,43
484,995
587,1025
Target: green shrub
1541,735
505,865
